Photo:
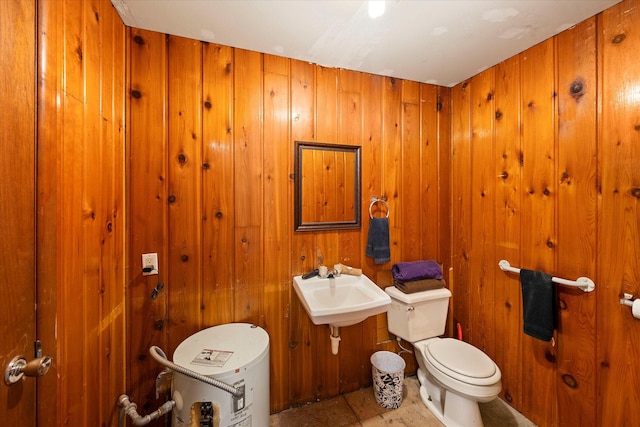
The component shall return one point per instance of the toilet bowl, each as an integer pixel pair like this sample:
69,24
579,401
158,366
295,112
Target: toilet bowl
454,375
457,377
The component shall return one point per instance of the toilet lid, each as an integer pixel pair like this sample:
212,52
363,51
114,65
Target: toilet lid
455,358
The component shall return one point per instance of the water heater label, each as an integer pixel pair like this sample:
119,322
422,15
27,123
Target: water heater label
216,358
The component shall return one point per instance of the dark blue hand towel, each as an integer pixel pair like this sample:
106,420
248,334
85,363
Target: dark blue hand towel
378,240
538,304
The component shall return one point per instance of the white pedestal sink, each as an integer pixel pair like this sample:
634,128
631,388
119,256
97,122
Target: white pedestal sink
340,301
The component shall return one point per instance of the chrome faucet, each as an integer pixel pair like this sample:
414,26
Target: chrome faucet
332,274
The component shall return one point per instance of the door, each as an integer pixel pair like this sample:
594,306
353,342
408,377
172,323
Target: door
17,205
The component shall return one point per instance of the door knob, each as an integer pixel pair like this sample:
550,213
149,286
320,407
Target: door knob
19,367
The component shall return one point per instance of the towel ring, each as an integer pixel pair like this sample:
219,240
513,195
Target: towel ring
375,200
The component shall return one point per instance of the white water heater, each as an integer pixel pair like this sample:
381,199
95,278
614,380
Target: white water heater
236,354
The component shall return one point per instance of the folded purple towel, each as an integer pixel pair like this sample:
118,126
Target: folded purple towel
416,270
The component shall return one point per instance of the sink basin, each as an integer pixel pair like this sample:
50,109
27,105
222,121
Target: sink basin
340,301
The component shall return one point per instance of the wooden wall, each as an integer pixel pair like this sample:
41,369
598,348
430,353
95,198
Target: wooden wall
544,164
212,133
546,174
17,204
81,210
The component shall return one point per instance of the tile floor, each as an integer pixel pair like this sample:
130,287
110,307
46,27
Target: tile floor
359,408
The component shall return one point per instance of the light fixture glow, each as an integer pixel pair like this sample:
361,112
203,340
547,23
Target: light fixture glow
376,8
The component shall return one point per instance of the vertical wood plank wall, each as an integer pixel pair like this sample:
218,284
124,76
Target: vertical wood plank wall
17,201
81,210
618,230
212,133
546,174
544,144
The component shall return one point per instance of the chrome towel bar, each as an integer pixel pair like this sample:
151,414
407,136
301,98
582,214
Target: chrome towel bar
583,283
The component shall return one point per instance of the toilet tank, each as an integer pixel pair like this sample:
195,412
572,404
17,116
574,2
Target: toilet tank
417,316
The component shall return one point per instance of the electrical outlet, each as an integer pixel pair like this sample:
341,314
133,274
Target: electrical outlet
149,261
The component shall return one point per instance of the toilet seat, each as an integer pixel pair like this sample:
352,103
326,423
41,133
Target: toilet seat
461,361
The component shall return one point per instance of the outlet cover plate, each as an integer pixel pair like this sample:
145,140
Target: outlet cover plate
150,260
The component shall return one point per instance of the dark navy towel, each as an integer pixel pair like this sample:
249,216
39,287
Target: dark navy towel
378,240
416,270
538,304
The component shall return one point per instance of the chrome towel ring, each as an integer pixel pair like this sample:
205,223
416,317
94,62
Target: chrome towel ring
375,200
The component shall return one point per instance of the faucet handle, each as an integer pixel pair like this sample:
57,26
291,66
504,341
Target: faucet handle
310,274
350,270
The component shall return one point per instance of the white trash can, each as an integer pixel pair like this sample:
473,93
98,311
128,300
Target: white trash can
388,378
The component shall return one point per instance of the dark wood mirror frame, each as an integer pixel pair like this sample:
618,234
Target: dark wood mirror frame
338,163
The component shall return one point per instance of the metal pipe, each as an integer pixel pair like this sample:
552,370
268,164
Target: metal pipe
131,409
404,350
335,339
157,353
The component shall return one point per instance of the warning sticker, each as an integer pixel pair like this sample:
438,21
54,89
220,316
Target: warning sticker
216,358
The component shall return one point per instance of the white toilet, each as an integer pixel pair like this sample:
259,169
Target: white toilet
454,375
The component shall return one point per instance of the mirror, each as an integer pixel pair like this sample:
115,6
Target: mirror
327,186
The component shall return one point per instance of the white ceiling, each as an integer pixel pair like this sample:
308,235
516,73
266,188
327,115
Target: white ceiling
432,41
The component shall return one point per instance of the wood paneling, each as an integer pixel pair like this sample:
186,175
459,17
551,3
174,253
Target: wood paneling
217,178
224,124
618,242
461,207
430,229
438,199
302,333
248,186
507,170
483,184
17,198
577,204
371,179
48,60
353,357
184,217
326,369
538,207
517,163
562,182
81,210
148,219
278,228
391,171
504,207
410,213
